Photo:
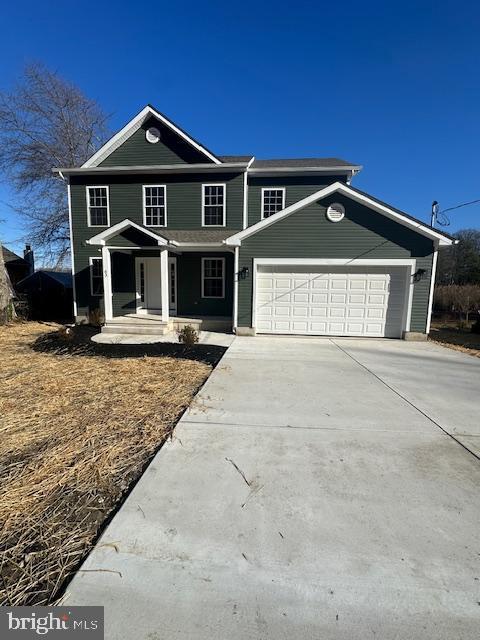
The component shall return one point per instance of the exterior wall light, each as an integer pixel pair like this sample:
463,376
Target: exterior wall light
419,275
243,273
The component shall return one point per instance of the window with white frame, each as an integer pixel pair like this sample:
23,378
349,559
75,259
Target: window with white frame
213,199
273,200
213,277
96,277
155,206
97,206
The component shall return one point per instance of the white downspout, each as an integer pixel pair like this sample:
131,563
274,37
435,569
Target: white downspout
235,288
432,289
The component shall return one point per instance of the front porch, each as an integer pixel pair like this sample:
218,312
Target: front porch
146,324
151,286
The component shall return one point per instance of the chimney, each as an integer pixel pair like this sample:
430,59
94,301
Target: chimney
28,256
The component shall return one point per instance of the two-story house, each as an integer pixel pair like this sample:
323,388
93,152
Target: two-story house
164,233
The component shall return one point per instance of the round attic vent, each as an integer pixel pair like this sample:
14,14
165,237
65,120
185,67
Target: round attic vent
152,135
336,212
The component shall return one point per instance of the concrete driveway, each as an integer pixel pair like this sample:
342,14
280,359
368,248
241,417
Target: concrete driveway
313,491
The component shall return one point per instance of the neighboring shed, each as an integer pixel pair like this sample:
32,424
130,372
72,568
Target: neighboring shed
49,294
18,268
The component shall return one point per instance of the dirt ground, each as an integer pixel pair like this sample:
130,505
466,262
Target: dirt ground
77,428
451,336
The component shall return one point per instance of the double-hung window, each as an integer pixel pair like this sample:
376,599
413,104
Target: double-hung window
98,207
155,205
96,276
213,205
273,200
213,277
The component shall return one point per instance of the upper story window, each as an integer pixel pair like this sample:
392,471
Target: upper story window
98,213
213,205
155,205
273,200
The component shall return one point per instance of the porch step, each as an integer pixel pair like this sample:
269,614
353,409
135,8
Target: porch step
152,325
137,329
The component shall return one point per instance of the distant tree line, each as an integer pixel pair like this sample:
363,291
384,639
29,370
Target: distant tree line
457,291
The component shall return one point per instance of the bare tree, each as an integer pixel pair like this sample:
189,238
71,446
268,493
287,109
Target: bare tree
7,310
46,121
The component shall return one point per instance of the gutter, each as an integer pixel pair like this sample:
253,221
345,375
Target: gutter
167,168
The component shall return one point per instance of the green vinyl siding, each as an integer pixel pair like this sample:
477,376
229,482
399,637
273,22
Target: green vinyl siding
296,188
183,197
184,211
189,284
363,233
171,149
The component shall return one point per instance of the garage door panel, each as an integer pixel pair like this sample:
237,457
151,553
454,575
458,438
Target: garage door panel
301,297
320,282
352,301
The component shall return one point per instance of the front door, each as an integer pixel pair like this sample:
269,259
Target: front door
148,284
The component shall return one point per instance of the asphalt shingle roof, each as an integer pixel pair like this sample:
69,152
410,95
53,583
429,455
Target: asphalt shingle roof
199,235
323,163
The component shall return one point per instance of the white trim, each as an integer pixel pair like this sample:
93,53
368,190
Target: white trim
72,256
199,167
165,285
129,129
102,237
90,264
107,283
245,200
340,262
410,263
324,170
138,295
87,196
283,189
215,184
245,192
339,187
235,287
222,297
432,290
148,186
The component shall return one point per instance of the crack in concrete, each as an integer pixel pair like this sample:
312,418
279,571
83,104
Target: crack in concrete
360,364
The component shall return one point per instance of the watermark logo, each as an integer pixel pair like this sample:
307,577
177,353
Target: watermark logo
58,623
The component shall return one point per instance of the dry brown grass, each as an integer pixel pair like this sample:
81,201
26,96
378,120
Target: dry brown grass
457,339
75,432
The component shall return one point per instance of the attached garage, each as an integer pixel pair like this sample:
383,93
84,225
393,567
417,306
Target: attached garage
336,263
364,300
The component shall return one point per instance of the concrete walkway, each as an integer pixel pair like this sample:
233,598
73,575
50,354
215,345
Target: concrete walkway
312,492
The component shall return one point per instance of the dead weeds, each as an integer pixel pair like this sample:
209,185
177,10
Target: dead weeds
457,339
75,432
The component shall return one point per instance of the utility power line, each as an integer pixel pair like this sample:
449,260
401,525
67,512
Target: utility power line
441,218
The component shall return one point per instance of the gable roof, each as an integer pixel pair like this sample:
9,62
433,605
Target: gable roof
359,196
100,238
129,129
9,256
61,277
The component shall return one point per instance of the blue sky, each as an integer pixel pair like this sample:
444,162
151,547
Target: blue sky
392,86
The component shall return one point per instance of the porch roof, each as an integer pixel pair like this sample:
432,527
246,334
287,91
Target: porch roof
165,237
101,239
197,236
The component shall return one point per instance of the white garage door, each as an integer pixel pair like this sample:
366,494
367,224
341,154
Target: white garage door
336,301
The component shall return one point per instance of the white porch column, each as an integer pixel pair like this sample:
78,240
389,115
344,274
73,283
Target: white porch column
165,282
107,283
